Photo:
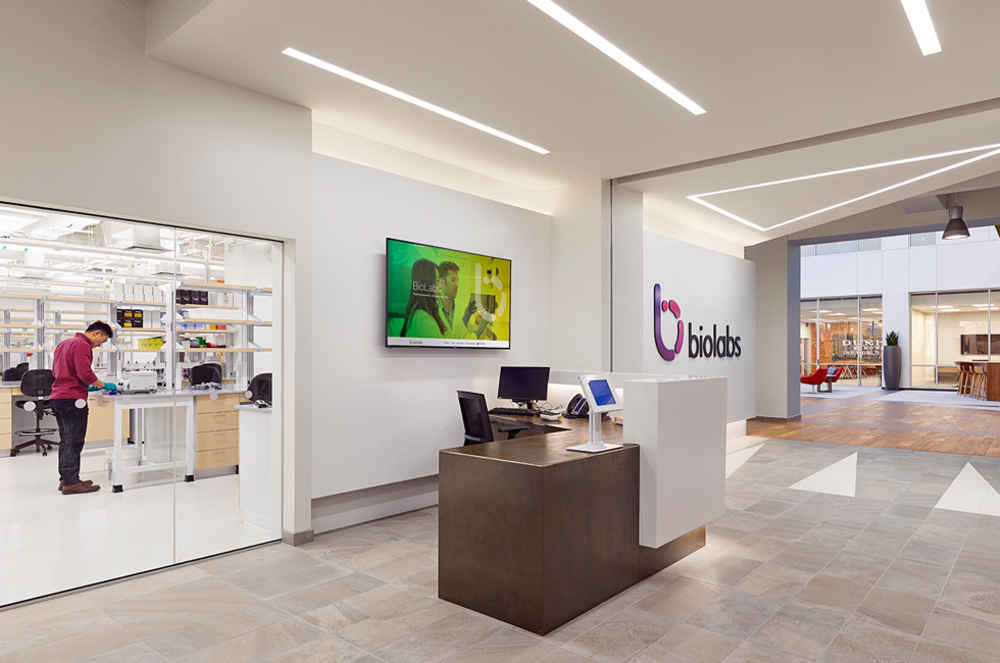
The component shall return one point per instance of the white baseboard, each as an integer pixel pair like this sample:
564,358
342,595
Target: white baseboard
736,429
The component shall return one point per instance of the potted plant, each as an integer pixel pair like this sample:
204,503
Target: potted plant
892,361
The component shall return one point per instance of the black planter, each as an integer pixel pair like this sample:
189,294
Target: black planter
892,362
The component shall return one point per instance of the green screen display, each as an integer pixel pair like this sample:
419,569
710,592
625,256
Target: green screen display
445,298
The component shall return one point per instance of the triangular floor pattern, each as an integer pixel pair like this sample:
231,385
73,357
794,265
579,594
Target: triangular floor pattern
737,459
971,493
840,478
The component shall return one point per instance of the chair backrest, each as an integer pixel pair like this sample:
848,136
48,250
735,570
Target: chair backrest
260,388
475,417
37,382
15,373
205,373
833,372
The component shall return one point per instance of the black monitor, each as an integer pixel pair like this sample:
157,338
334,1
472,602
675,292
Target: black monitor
524,384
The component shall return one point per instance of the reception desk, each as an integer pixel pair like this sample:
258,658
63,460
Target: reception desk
534,534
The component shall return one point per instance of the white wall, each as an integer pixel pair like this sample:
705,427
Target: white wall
777,319
383,414
581,276
711,288
333,142
89,122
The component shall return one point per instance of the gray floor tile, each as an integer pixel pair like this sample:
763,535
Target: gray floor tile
833,592
927,551
932,652
327,650
961,631
724,569
440,639
859,642
750,652
800,629
691,644
901,611
133,653
272,579
924,580
265,642
861,569
774,582
619,638
735,614
680,599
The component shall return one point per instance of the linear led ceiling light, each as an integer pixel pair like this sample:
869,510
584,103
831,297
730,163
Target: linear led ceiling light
589,35
994,149
409,98
922,25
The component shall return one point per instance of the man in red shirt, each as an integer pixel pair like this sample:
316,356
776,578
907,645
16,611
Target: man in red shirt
73,378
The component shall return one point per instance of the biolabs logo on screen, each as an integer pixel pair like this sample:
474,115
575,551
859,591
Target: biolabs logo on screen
700,344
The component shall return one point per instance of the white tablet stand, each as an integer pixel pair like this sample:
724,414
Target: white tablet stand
595,444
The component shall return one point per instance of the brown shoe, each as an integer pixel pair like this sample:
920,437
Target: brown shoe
88,482
79,488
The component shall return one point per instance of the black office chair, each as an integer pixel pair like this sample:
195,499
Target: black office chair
37,386
476,419
206,375
259,390
15,373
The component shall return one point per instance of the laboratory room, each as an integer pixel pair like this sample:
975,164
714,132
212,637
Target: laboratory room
139,408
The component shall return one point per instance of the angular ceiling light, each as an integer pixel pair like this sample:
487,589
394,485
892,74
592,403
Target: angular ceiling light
956,228
409,98
589,35
922,26
994,150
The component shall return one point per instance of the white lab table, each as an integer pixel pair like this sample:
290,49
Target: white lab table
182,398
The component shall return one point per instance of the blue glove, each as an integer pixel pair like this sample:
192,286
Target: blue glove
93,388
110,386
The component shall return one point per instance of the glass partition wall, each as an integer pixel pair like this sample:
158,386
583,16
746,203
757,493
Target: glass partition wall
187,463
845,332
947,328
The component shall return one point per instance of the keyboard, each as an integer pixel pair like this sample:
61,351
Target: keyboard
517,411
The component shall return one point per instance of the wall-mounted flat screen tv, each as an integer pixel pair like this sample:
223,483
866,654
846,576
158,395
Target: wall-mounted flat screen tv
444,298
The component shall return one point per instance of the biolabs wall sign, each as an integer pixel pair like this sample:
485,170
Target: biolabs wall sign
700,344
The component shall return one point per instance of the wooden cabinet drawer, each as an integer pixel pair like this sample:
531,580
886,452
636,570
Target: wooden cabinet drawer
222,439
5,428
213,458
221,404
212,421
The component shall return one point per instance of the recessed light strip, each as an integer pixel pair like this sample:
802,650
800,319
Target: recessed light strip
697,198
592,37
854,169
922,25
409,98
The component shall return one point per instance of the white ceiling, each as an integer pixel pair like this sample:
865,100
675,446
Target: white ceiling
767,73
772,205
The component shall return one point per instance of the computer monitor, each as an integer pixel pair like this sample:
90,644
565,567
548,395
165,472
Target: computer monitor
524,384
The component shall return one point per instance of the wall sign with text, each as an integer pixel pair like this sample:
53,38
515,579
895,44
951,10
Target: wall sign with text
700,344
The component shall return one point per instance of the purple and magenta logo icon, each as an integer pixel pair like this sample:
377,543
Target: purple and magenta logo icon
661,306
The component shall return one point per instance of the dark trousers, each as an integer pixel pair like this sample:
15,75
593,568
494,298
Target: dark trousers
72,431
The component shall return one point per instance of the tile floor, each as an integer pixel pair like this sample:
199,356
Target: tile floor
51,542
788,575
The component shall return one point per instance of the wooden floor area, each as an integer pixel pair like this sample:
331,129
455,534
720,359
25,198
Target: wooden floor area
866,421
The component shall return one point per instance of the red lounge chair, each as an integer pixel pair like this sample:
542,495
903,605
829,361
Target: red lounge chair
823,376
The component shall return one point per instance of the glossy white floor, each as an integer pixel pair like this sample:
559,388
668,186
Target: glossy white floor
51,542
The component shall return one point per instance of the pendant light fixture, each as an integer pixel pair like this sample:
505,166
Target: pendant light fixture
956,228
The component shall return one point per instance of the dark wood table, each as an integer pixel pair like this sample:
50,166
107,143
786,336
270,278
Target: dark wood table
534,535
